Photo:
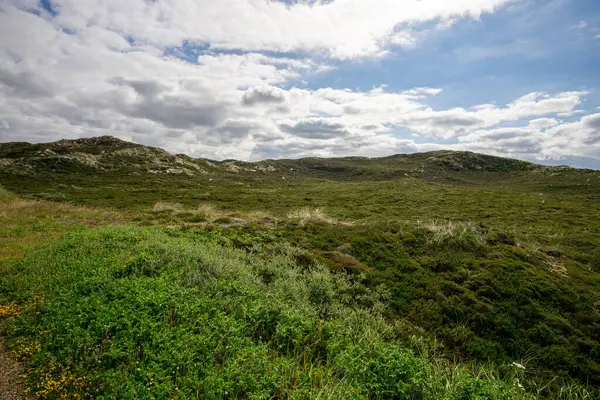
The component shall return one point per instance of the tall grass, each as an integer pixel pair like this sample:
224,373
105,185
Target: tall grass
454,233
165,206
202,212
308,214
208,211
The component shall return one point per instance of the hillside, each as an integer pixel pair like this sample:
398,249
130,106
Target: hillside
91,155
107,153
442,275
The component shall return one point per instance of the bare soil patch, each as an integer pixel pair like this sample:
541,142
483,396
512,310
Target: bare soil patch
11,384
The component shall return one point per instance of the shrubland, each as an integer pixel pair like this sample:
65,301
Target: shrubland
441,276
130,312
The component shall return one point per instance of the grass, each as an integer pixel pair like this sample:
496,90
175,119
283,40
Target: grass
499,301
6,196
465,234
309,214
208,211
480,269
133,312
27,222
165,206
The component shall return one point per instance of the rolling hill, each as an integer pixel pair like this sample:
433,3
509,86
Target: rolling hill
439,275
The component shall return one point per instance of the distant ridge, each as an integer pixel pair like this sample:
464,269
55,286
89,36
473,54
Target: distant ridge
110,154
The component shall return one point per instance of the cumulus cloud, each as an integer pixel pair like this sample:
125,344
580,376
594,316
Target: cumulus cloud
25,83
268,94
123,69
315,128
542,123
541,139
444,124
422,92
341,28
592,121
507,141
537,103
145,88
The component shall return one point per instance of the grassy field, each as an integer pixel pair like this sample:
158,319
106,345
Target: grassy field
323,282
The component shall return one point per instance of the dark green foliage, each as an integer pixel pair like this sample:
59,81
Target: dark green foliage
496,304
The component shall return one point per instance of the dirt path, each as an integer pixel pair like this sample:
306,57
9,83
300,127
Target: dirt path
11,387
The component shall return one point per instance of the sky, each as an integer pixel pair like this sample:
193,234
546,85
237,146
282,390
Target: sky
260,79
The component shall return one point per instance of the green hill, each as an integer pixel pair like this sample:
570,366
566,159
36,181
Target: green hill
109,153
441,275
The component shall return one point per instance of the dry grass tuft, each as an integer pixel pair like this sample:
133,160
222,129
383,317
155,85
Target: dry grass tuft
308,214
556,266
450,231
260,216
553,262
165,206
208,211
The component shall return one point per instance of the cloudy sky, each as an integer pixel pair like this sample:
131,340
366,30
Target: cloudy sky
256,79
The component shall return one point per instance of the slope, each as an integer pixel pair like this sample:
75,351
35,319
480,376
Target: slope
488,260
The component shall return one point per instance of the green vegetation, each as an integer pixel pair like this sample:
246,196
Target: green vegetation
428,276
144,313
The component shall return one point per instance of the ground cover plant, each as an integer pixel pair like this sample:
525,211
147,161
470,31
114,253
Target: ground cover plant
476,276
131,312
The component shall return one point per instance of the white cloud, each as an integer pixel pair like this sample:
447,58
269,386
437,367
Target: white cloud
541,139
341,28
506,141
580,25
106,75
542,123
543,103
422,92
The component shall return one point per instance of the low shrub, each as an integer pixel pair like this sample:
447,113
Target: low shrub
162,314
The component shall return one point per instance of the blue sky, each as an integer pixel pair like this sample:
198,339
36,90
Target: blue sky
538,46
253,79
